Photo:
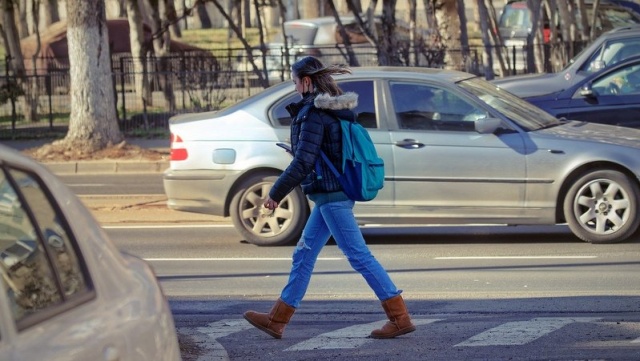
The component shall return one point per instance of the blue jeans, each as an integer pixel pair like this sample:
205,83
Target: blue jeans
334,218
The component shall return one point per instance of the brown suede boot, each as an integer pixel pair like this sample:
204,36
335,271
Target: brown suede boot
399,320
274,322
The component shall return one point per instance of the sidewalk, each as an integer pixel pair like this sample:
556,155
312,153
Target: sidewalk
103,166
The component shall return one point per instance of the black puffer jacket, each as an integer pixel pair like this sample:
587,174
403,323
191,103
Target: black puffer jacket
315,126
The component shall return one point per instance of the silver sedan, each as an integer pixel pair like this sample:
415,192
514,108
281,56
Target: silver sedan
457,150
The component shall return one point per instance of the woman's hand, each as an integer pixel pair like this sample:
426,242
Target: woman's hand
270,203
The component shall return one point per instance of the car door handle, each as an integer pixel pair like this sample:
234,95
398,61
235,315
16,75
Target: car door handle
409,144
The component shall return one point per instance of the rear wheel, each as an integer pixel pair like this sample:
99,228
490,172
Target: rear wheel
602,207
282,227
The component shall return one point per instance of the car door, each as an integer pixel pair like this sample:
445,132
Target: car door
614,98
443,168
368,116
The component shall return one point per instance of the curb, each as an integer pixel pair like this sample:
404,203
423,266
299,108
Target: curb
101,167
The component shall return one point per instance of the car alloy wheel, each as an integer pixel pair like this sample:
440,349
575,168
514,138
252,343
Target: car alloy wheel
282,227
602,207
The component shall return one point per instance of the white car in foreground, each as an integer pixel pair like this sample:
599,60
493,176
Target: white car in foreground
67,293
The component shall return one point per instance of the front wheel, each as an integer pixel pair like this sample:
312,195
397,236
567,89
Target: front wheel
284,226
602,207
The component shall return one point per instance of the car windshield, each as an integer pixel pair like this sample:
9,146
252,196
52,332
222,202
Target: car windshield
523,113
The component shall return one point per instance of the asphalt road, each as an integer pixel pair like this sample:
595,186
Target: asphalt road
480,293
475,293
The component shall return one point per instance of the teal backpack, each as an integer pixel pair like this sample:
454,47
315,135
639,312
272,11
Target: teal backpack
362,174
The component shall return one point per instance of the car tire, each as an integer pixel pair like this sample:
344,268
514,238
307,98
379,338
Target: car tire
602,207
283,227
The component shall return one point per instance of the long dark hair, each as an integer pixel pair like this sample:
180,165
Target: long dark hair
321,76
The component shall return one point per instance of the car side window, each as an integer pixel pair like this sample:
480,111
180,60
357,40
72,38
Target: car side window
424,107
365,109
623,81
611,53
39,263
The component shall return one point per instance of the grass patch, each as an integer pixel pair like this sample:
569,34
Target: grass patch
222,38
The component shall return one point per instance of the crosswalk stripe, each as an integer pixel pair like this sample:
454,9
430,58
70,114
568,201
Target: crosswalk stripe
522,332
348,337
206,337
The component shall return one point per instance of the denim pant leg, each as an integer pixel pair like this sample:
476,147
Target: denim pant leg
344,228
314,236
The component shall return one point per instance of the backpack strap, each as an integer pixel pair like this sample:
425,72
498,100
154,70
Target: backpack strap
328,163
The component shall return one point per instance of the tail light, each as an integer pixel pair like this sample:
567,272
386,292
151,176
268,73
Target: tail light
177,152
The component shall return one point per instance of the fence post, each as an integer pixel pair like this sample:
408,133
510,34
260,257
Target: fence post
124,106
14,115
513,59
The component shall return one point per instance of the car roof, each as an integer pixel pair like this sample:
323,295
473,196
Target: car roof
421,72
10,155
319,21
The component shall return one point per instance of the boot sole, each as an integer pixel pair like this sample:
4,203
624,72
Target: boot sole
262,328
404,331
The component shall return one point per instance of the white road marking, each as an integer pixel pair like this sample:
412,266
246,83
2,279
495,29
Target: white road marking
522,332
86,185
348,337
516,257
206,337
236,259
171,226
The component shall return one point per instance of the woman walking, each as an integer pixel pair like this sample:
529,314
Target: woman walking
315,126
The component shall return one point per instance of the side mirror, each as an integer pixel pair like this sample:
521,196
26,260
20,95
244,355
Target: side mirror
587,91
487,125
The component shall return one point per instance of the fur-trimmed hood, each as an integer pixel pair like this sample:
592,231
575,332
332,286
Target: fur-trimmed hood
347,100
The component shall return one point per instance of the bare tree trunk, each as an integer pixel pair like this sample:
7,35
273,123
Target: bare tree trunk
581,11
352,60
244,42
535,11
310,8
388,54
93,123
449,30
487,58
159,29
50,12
464,36
263,46
285,41
429,9
594,18
203,17
10,31
171,16
495,36
138,53
23,28
413,41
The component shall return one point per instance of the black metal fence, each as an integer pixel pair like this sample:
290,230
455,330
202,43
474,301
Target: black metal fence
186,83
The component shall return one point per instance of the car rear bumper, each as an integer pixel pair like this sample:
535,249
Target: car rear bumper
199,191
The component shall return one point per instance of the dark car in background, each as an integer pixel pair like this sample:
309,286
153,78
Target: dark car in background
607,50
611,97
514,24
